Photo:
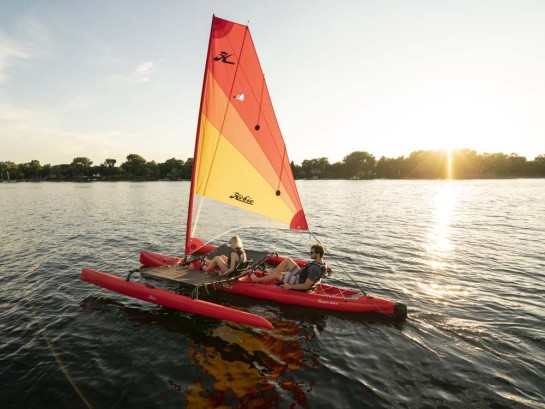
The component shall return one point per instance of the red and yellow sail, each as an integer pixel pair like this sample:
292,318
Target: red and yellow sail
240,155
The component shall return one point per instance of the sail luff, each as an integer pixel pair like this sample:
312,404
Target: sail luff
196,151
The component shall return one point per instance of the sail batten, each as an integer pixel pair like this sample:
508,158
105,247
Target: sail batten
240,157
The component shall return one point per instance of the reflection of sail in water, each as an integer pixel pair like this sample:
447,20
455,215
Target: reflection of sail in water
251,366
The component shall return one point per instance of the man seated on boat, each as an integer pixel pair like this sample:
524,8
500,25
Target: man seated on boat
294,277
227,265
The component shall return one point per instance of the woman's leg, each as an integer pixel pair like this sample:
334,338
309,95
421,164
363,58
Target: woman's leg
219,261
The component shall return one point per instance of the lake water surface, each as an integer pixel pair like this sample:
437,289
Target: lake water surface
466,257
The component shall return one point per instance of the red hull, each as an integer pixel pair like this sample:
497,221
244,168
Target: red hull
171,300
323,297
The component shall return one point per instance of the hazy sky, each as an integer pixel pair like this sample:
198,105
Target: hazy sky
103,79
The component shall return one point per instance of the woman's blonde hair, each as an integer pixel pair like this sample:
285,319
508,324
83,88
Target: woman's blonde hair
235,240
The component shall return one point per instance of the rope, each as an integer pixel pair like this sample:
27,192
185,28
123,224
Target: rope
338,264
349,276
219,235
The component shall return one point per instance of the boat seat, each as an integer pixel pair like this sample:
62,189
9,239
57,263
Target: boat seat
240,267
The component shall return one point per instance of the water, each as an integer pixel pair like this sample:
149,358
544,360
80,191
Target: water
467,257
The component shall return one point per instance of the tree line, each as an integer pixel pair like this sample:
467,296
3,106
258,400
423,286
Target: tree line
82,169
431,164
434,164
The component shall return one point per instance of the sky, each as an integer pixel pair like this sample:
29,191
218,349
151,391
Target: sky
105,79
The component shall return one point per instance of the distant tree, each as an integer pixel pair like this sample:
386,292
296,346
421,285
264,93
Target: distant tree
171,169
315,168
539,166
135,165
359,164
9,170
427,165
187,169
34,168
336,170
295,170
81,167
45,172
390,168
110,163
152,171
107,169
464,164
516,164
494,164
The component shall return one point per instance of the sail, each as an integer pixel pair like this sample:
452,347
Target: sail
240,156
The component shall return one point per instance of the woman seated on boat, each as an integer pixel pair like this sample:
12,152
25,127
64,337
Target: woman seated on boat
294,277
227,264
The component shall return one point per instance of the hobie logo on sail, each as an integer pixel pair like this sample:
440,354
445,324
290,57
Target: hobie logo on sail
242,198
223,56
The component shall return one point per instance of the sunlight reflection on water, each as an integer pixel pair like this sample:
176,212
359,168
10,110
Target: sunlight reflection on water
439,245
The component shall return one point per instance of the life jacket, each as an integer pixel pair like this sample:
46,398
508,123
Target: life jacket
299,276
241,257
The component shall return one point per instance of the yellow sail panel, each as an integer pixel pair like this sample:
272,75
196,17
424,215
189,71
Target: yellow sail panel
224,174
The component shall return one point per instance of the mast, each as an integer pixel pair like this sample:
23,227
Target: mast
196,152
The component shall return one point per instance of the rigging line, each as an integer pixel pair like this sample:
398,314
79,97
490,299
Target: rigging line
43,331
228,231
338,264
260,101
197,217
281,169
220,234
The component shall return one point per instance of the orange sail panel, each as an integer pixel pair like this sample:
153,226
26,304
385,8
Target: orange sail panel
241,157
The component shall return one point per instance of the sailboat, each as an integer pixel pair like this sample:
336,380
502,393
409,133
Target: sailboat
241,177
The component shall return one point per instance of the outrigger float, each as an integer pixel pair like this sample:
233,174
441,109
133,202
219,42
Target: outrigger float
242,172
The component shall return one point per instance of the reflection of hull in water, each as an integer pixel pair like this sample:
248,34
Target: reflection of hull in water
323,296
171,300
231,366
